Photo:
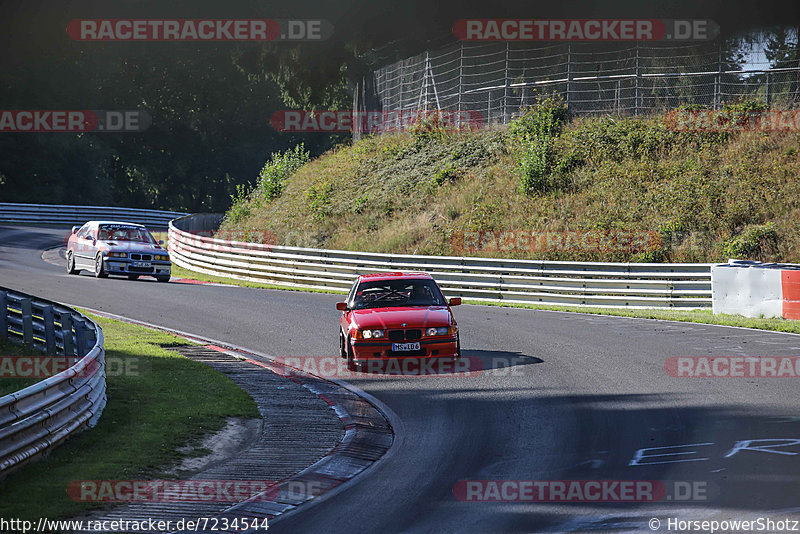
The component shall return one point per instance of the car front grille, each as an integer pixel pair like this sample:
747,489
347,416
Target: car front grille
402,335
143,257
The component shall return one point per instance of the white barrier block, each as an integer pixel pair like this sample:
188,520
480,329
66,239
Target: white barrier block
751,290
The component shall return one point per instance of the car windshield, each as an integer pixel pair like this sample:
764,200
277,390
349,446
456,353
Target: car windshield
125,233
396,293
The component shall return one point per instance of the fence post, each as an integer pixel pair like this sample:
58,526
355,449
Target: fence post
25,306
768,94
718,81
356,131
49,329
3,315
460,74
507,89
66,334
637,92
569,75
402,88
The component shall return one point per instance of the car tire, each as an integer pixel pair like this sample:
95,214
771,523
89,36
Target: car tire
71,264
351,361
458,347
342,349
99,271
162,278
133,277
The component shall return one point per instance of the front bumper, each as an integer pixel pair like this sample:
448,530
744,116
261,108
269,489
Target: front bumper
442,347
124,266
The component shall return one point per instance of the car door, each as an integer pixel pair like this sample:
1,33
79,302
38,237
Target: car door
344,320
86,247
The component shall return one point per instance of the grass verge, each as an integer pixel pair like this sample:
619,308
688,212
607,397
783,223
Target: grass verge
158,401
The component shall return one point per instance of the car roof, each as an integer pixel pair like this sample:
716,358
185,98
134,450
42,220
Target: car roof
408,275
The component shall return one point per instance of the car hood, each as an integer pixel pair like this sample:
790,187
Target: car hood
416,316
127,246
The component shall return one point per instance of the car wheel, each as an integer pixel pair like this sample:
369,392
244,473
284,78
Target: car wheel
162,278
133,277
71,264
351,361
458,347
99,272
342,348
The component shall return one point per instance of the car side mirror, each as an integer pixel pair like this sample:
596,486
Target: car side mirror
455,301
341,306
75,229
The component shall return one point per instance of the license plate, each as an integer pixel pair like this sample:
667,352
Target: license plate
398,347
142,264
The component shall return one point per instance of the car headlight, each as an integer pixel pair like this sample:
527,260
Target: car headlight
162,258
371,334
117,254
440,330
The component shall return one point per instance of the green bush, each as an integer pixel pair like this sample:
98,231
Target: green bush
533,135
755,242
273,176
240,208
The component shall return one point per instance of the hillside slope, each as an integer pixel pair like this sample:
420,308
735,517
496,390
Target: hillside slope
611,189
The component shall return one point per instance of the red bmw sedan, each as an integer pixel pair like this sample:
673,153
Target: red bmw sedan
397,315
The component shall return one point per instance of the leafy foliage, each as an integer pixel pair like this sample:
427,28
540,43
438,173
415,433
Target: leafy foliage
534,134
755,242
272,178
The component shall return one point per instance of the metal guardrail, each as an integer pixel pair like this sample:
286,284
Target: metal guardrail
11,213
39,417
611,285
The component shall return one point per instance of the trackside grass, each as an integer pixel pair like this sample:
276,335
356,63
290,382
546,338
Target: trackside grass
158,401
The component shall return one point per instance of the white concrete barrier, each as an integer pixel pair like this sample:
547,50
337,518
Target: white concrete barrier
756,289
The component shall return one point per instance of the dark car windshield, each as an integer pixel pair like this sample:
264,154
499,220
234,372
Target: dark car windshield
125,233
396,293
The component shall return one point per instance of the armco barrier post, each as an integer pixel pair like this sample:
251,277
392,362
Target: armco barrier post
81,337
49,329
3,314
66,334
25,306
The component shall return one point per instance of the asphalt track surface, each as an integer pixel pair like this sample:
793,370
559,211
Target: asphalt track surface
561,397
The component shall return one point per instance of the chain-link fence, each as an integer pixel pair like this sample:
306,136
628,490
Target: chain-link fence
497,79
